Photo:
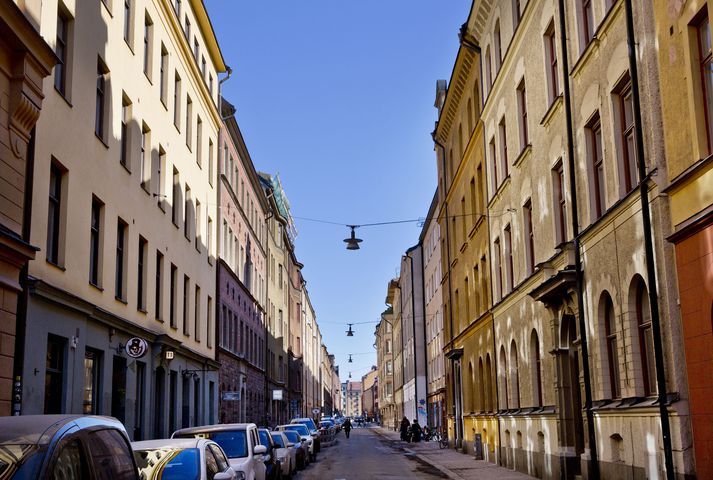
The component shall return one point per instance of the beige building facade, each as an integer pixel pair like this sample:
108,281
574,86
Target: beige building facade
125,211
385,362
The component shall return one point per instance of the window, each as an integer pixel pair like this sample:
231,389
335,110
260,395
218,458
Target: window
148,45
141,275
488,69
705,58
125,134
62,51
514,376
646,339
187,214
507,237
196,49
210,162
209,239
627,137
203,67
503,147
522,114
587,25
536,365
497,47
611,343
186,304
96,235
189,122
91,395
209,322
464,229
560,205
551,62
199,141
197,313
101,99
210,84
175,196
172,298
158,293
187,31
177,8
473,201
516,14
121,257
177,102
596,164
107,446
145,157
163,77
494,164
498,269
529,236
54,215
54,374
128,22
198,236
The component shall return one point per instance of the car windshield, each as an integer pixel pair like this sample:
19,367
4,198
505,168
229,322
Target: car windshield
13,457
264,438
310,423
234,442
168,464
299,428
277,438
292,436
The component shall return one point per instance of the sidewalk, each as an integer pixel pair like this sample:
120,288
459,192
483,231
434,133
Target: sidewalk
453,464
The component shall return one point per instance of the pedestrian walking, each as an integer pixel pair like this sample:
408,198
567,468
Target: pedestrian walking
405,426
416,431
347,426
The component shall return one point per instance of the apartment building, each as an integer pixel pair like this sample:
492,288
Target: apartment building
393,300
684,66
385,362
369,392
295,352
122,293
352,397
435,361
242,279
570,229
26,60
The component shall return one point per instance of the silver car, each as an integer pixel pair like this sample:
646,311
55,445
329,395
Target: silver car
189,458
286,453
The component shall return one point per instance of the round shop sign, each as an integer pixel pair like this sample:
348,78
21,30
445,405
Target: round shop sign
136,347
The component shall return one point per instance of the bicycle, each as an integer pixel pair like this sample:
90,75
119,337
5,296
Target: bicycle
442,440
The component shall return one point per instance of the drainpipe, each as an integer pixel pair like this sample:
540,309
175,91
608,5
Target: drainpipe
594,462
648,246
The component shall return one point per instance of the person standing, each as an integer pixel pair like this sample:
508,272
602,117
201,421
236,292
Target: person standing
347,426
405,426
416,431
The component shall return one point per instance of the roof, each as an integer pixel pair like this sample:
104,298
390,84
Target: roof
167,443
225,427
39,429
207,27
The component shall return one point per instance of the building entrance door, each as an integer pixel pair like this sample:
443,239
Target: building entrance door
570,397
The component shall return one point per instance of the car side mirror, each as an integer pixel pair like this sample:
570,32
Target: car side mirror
229,474
259,450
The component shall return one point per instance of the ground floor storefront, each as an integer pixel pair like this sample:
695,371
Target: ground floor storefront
81,359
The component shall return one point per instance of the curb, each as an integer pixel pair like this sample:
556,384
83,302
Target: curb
435,465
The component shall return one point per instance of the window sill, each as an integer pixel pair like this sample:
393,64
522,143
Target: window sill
498,193
554,107
126,167
145,188
160,206
148,77
159,320
119,299
142,310
56,265
525,153
96,286
585,55
64,97
131,49
101,139
163,102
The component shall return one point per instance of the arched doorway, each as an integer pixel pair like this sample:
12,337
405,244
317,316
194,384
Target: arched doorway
570,397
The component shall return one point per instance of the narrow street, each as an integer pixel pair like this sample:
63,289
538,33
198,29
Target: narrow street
367,455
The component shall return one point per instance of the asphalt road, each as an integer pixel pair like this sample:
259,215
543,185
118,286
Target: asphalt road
366,455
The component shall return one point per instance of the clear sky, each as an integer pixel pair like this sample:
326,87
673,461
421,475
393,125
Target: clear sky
337,97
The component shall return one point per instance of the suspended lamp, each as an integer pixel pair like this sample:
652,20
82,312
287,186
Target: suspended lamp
352,242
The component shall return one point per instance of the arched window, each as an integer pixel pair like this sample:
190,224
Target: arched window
535,364
481,387
646,339
489,384
608,317
470,116
514,377
488,69
503,381
498,47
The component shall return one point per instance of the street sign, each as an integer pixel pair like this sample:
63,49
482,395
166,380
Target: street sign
231,396
316,410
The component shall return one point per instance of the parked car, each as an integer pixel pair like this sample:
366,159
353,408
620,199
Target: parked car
304,433
300,446
65,446
286,453
239,441
189,458
313,430
337,427
273,469
326,430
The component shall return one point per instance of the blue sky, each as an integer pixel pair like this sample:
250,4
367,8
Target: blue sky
337,97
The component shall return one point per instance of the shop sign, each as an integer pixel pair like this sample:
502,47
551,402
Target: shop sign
136,347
